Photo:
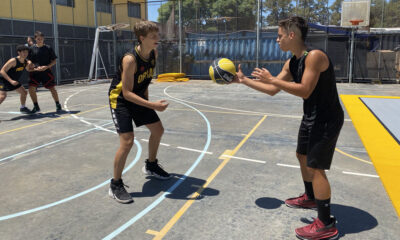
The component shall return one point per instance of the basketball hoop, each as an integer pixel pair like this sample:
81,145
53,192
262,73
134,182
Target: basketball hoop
113,27
96,56
117,26
355,22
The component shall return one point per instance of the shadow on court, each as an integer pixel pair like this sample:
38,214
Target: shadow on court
349,219
183,191
42,115
269,203
352,220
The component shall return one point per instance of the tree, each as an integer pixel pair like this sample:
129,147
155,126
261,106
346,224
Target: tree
212,15
277,10
391,14
335,9
320,14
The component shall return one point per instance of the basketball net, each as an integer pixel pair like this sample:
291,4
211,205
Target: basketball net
94,63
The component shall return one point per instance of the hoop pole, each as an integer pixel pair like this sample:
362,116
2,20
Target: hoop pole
258,32
95,46
56,43
180,35
351,56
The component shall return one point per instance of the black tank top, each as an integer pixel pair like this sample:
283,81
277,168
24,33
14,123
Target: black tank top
142,77
15,72
323,104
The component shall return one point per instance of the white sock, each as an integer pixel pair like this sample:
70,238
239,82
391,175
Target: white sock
22,106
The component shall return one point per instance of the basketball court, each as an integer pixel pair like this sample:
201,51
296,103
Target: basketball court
231,151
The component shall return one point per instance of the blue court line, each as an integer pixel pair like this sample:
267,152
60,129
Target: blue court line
53,142
18,214
162,197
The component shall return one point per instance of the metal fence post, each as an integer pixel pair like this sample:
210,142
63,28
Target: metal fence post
55,37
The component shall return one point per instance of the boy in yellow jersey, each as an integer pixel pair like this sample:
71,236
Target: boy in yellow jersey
129,100
10,74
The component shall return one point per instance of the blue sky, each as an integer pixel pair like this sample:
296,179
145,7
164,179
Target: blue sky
153,7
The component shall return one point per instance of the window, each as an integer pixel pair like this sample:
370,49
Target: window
68,3
104,6
134,10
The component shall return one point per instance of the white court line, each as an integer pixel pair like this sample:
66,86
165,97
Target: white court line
18,113
361,174
171,189
163,144
238,110
287,165
193,150
244,159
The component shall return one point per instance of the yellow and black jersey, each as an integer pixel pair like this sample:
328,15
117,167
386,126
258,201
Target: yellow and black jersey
142,78
15,72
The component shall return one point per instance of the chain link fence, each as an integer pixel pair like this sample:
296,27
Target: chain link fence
195,32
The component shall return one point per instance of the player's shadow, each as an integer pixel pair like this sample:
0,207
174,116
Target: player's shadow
269,203
184,191
350,219
42,115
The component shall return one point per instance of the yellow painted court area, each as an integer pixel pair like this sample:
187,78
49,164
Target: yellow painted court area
382,148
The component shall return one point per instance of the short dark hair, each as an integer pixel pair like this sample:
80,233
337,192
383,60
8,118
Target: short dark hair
295,21
21,48
142,28
39,34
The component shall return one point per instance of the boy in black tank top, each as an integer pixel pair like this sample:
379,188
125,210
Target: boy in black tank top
10,74
308,74
129,101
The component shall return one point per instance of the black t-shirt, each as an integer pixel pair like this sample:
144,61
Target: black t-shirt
41,56
323,104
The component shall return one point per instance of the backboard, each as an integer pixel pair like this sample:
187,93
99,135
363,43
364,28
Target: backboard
353,11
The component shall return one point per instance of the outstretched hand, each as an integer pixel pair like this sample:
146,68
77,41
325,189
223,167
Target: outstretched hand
262,74
238,78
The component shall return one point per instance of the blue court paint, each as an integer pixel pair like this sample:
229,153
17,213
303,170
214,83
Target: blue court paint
387,111
18,214
53,142
171,189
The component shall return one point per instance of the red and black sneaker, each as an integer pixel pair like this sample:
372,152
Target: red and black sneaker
301,202
318,231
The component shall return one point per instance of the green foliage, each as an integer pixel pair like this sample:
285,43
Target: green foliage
234,15
211,15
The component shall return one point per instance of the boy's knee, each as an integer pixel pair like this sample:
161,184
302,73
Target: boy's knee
127,143
301,157
158,131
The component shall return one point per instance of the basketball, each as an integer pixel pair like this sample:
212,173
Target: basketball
222,71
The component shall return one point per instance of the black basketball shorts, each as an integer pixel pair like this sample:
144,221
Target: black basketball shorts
7,86
123,116
46,78
318,141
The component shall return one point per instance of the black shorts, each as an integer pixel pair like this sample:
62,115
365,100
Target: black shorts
318,141
46,78
7,86
124,114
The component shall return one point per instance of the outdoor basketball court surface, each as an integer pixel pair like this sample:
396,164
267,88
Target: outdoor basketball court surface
231,151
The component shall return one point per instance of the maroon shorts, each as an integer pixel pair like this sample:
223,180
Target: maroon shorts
46,78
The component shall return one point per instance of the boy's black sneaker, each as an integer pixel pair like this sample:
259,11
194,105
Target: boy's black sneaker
25,110
35,109
154,169
118,192
58,107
